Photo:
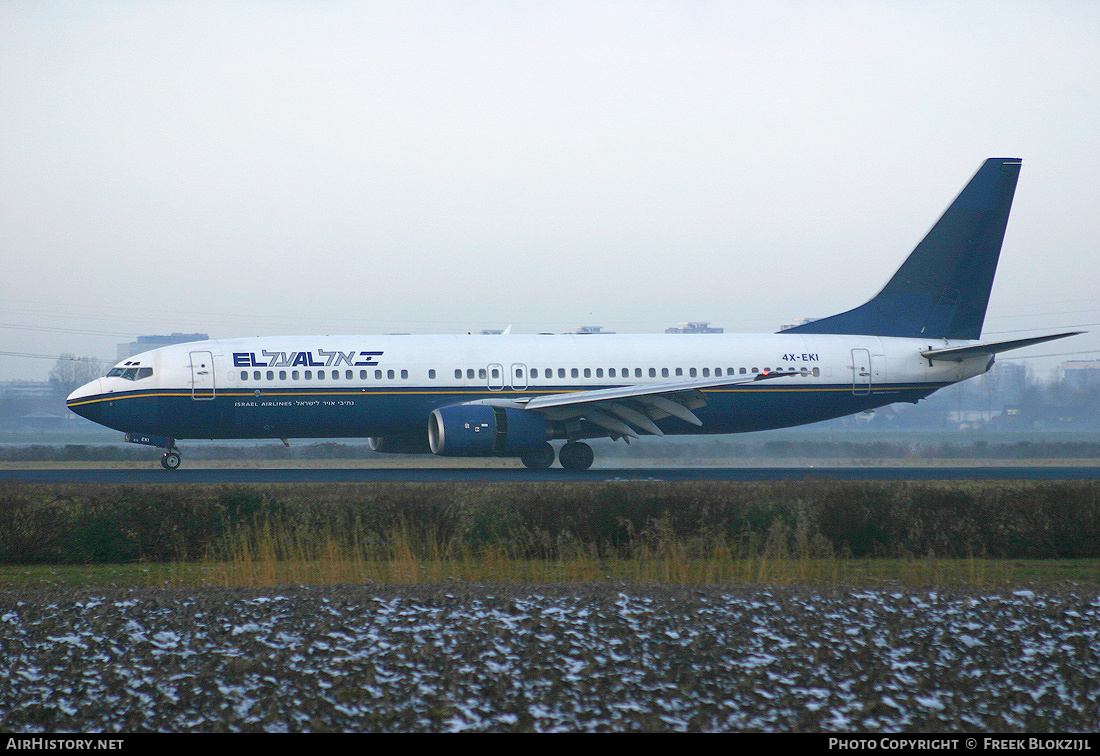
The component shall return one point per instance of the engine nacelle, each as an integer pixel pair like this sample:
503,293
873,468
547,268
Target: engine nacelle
417,444
479,430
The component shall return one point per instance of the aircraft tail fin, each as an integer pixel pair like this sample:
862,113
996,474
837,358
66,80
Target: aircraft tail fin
942,290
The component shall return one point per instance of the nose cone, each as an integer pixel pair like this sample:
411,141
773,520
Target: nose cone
84,401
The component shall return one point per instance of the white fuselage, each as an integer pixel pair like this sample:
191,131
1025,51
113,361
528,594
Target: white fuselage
328,386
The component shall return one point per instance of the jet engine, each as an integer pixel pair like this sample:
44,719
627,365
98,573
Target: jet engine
417,444
472,430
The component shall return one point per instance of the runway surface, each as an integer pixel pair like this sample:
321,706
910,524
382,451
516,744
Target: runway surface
482,474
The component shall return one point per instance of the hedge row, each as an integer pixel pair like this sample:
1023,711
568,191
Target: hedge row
683,449
41,523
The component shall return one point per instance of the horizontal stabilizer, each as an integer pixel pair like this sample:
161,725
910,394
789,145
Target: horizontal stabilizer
958,354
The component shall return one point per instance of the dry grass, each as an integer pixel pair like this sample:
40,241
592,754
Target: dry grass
699,533
268,554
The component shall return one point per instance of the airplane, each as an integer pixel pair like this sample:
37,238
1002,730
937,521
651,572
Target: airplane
511,395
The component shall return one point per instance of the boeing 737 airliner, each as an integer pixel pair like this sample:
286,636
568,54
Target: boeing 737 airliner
511,395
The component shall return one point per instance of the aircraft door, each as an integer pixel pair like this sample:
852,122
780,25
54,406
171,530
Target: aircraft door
495,376
519,377
861,372
202,375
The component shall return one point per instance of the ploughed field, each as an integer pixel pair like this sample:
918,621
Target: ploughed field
585,657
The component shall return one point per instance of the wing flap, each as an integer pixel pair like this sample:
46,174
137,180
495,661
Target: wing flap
637,390
607,408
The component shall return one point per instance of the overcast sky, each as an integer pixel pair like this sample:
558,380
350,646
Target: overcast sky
253,168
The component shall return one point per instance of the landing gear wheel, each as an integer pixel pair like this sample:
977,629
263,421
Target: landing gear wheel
540,458
171,460
575,456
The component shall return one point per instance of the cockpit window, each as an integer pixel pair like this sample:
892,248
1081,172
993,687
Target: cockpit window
130,373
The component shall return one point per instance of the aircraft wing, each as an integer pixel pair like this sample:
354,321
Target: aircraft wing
625,410
957,354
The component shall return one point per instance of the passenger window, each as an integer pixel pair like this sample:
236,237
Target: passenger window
389,374
611,372
706,372
561,372
458,374
653,372
282,375
377,375
470,374
294,375
481,373
742,371
244,375
679,372
431,375
588,372
271,375
573,373
637,372
320,375
599,372
692,372
362,375
404,373
664,372
256,375
309,375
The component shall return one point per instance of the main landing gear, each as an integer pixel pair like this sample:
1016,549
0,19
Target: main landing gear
575,456
171,459
539,458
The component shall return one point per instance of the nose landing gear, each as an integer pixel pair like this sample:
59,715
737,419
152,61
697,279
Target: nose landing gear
171,458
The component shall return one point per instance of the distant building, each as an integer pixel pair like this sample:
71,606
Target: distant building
145,343
804,321
1081,374
591,329
27,389
689,327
